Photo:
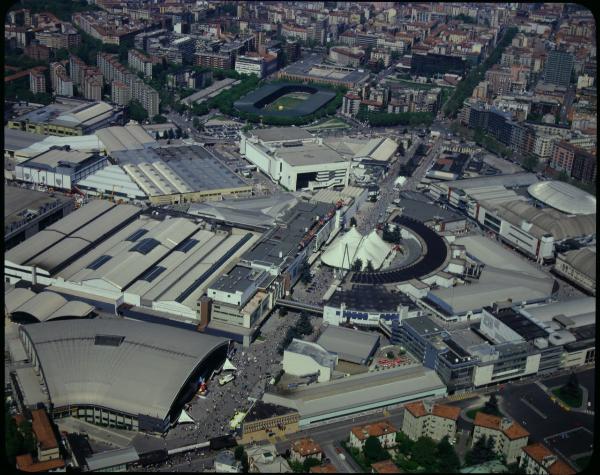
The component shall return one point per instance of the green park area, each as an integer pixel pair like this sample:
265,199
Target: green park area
287,101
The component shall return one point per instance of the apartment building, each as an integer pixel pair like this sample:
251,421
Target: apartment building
77,68
62,84
139,62
424,419
213,60
120,93
382,430
303,449
37,81
537,459
92,84
508,436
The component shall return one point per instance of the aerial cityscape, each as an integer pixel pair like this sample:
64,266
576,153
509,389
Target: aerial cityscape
299,236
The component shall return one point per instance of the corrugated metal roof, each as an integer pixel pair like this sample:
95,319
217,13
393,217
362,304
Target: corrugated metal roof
141,373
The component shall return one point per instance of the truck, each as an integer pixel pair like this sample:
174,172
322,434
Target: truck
226,379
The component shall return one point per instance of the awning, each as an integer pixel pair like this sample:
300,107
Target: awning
185,417
228,366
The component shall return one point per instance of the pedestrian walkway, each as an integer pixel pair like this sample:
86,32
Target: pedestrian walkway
461,396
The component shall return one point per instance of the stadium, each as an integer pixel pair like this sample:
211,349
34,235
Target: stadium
284,100
120,373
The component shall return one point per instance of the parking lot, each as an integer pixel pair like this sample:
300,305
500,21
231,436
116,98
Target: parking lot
530,406
572,444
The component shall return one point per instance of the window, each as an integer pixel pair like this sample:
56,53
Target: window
145,245
108,340
99,262
153,273
136,235
186,245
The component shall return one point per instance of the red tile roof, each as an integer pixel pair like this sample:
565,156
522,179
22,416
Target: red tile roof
329,468
306,447
377,429
43,429
387,466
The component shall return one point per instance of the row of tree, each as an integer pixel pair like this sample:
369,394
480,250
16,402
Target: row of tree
391,235
18,439
426,455
475,76
302,327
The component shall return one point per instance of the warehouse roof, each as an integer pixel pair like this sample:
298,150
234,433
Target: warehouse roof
308,153
564,197
382,148
545,221
494,285
55,158
110,178
15,139
582,260
82,143
491,253
580,311
42,243
181,169
117,363
350,345
131,137
364,389
512,180
19,201
278,134
254,211
111,458
45,305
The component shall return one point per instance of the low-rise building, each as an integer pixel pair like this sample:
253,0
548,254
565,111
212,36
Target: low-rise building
306,448
382,430
509,437
225,462
537,459
385,466
264,458
303,358
59,168
264,420
423,419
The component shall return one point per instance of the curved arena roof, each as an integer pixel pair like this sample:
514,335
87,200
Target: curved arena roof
44,306
122,365
564,197
433,259
255,101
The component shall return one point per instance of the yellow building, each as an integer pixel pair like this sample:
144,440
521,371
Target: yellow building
266,420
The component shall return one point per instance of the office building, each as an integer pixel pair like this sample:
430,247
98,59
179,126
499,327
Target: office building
213,60
558,67
294,158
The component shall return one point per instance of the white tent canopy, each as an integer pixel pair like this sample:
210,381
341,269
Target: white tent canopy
352,245
184,417
228,366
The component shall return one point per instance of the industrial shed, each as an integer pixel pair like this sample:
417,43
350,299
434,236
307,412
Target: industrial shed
119,372
26,306
350,345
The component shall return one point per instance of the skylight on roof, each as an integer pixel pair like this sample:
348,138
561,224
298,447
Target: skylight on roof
145,246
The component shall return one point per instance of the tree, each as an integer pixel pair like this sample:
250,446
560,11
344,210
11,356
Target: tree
448,461
404,444
305,274
171,134
352,221
13,439
390,355
481,452
304,327
239,452
373,451
571,387
422,452
157,136
530,162
165,134
401,150
491,406
357,265
369,267
29,443
563,176
310,462
178,132
137,111
159,119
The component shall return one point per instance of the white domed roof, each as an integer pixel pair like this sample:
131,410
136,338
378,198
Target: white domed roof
563,197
